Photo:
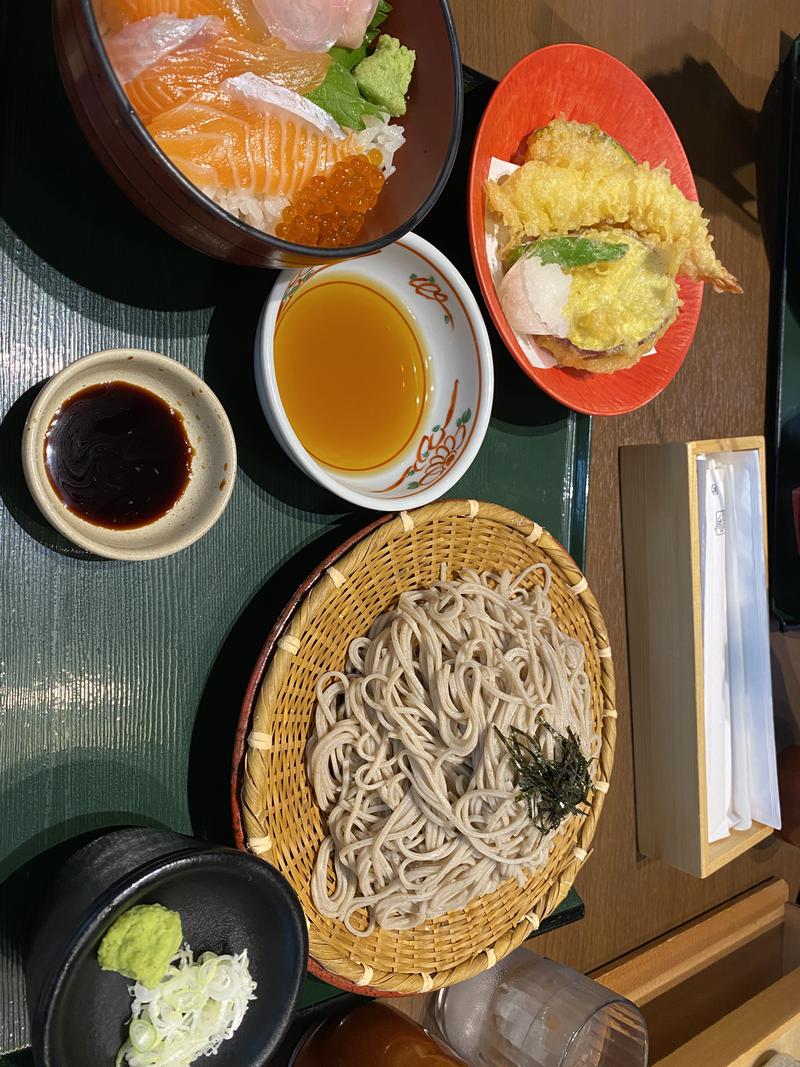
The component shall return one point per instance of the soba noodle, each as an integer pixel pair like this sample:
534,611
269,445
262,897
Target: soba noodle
419,790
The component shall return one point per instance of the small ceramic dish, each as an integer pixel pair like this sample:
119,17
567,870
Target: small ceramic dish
228,902
455,415
207,427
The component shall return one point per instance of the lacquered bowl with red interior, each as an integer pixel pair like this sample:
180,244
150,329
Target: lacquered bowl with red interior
586,85
156,186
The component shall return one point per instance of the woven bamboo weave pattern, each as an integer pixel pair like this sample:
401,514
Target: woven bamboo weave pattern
278,804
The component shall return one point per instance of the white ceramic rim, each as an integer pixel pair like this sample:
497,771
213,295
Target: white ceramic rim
269,395
43,493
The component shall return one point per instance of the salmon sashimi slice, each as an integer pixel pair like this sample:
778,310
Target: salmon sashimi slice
240,15
191,69
142,45
228,141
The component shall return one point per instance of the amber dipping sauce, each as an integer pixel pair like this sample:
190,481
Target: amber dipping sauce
372,1035
351,373
117,455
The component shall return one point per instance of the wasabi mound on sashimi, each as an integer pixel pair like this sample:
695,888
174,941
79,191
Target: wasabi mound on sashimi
140,944
384,77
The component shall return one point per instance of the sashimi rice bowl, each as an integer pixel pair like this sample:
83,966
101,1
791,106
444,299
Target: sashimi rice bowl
288,114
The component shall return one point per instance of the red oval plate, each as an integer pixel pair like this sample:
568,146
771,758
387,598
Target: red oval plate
587,85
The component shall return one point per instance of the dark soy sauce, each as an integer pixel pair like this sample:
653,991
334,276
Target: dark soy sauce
118,455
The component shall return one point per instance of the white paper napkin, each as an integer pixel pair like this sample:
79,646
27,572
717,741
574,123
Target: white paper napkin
716,688
741,774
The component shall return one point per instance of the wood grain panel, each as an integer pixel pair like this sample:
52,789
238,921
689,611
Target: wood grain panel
710,63
660,966
678,1016
749,1034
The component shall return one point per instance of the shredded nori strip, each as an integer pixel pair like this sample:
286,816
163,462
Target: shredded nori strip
558,787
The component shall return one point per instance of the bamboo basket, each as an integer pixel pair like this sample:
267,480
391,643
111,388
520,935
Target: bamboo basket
281,821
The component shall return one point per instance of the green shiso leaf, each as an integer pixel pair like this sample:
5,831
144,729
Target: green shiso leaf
568,252
339,96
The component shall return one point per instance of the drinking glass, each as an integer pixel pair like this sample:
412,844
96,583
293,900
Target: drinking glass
531,1012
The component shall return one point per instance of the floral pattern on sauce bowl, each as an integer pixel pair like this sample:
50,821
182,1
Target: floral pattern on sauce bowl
438,450
431,290
459,370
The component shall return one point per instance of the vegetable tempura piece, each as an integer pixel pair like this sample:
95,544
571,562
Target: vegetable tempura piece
576,144
595,303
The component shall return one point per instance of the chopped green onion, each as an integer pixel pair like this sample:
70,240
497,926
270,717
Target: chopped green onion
142,1035
195,1007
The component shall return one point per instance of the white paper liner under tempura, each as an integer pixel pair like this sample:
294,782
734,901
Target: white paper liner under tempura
496,238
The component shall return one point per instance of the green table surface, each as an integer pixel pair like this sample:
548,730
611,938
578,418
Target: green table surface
120,683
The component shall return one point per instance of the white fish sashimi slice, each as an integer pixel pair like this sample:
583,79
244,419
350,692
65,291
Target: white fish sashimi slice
141,44
267,98
307,25
359,16
534,295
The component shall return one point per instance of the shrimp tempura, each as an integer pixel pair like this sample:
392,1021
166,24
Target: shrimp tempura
578,177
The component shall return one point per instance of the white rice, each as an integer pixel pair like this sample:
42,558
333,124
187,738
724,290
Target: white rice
264,212
382,134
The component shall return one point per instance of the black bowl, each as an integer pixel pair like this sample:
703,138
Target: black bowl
152,182
228,901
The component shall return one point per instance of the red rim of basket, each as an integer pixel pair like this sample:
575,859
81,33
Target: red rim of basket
583,391
246,718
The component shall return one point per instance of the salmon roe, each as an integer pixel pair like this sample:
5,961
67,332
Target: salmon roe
329,212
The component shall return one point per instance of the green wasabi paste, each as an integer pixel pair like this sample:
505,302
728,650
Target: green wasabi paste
384,77
140,944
